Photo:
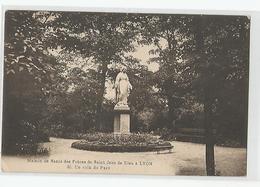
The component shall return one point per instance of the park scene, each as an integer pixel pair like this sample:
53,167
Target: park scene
167,92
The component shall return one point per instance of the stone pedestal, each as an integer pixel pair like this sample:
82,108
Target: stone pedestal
121,120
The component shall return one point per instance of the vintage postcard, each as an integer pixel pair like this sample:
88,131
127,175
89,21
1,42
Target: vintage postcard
125,93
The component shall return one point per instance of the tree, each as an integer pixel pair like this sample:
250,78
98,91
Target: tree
105,38
222,62
204,60
28,71
170,36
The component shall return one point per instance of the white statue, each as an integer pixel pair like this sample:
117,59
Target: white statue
123,88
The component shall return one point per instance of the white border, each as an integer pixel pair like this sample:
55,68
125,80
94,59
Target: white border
238,7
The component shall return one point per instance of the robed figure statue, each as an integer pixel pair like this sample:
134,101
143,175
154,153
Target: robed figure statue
122,87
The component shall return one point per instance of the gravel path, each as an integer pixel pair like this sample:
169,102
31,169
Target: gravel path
186,159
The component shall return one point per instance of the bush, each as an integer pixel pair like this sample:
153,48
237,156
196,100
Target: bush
23,138
29,149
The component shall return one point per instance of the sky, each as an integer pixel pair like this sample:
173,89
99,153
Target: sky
142,53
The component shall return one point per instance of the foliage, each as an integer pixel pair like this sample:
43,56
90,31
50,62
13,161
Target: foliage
24,139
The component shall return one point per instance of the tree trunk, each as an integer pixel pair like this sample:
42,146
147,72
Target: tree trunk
209,136
174,104
200,24
171,114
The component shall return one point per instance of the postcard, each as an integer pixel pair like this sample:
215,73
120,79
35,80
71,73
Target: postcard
125,93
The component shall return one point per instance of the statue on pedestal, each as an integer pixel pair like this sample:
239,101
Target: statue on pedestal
123,88
121,110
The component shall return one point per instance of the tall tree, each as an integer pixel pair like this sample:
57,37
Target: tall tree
106,38
222,63
28,73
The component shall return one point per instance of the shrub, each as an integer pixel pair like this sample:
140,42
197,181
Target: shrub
23,138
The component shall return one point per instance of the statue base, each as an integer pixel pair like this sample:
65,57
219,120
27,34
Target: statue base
121,120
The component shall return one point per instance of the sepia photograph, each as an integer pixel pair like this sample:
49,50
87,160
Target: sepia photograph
125,93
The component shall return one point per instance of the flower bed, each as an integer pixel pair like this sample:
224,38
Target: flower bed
121,143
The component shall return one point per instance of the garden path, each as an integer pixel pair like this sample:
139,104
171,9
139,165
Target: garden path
186,159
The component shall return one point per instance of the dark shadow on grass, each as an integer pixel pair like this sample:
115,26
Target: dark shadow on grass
195,171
